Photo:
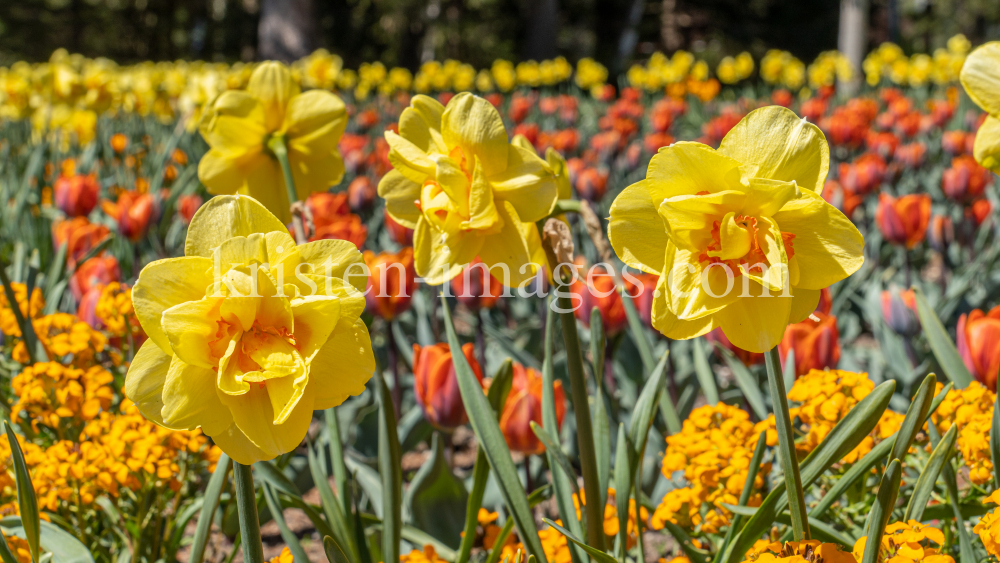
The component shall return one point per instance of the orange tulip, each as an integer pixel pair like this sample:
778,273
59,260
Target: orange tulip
98,271
88,303
641,288
597,289
524,406
979,344
964,180
133,211
80,235
332,219
903,220
864,174
475,287
436,386
940,232
76,194
391,282
899,309
187,206
360,193
816,342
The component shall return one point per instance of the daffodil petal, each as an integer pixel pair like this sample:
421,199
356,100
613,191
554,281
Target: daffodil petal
315,319
527,182
804,303
234,123
190,399
191,327
665,321
224,217
401,196
338,259
266,184
472,123
636,230
408,159
694,289
825,254
419,120
689,169
254,415
987,146
272,84
689,218
508,251
755,323
980,78
219,173
343,365
438,256
314,123
145,378
483,213
766,197
165,283
285,394
238,447
316,173
772,142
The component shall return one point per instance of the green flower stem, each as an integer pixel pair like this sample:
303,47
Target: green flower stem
277,146
584,430
786,446
246,504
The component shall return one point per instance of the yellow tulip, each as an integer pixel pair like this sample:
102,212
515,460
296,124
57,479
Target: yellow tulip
981,79
239,125
720,226
249,333
466,190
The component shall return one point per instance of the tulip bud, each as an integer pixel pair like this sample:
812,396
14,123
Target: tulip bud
76,195
360,193
816,342
899,310
188,205
97,271
79,235
435,384
598,290
978,342
390,283
953,142
965,179
642,288
133,211
903,220
524,406
475,287
940,233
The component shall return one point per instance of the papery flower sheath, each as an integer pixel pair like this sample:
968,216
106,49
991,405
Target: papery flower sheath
466,190
740,236
239,124
249,333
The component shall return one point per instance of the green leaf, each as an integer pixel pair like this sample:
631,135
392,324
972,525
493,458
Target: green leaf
941,344
436,498
555,451
390,469
36,352
62,545
322,527
823,531
687,546
747,383
645,406
995,441
290,539
638,331
966,553
704,372
623,483
752,469
487,430
54,275
925,483
26,501
844,437
599,414
212,494
334,554
916,413
5,553
505,531
597,554
881,511
333,510
415,536
786,447
270,474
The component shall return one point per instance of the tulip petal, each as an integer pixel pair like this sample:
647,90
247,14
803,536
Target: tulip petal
688,169
755,323
224,217
508,250
165,283
772,142
527,182
145,378
315,319
272,84
438,256
343,365
695,289
980,77
804,302
401,196
472,123
665,321
190,399
421,124
987,146
314,123
635,229
254,415
191,327
827,254
220,174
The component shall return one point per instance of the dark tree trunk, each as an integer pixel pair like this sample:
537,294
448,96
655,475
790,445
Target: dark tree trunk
287,29
542,29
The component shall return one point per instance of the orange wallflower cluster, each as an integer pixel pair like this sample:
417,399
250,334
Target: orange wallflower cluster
812,551
611,524
8,319
64,334
19,548
972,410
49,392
988,526
908,542
425,555
713,449
114,309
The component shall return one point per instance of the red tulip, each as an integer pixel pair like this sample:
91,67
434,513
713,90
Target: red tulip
903,220
965,179
591,184
816,342
133,211
979,344
524,406
390,283
840,197
97,271
864,174
899,310
360,193
436,385
79,235
475,287
76,194
953,142
597,289
188,205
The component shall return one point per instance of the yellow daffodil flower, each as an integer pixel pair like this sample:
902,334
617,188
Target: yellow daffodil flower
466,190
249,332
239,124
981,79
720,226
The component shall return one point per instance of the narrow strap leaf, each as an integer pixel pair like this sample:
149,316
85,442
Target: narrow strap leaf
881,511
211,502
786,447
925,483
704,372
391,473
26,501
941,344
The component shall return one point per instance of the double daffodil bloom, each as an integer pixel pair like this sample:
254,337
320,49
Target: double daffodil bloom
240,124
740,236
249,332
981,78
466,190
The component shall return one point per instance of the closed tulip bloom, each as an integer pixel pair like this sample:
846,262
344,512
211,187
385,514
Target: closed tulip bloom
524,406
940,232
435,384
978,342
188,205
466,190
965,179
95,272
642,288
953,142
475,287
740,236
133,211
79,235
816,342
239,124
864,174
249,333
903,220
76,194
981,78
596,288
899,310
390,283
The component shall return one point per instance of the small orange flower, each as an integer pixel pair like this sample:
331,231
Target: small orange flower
119,142
903,220
436,385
